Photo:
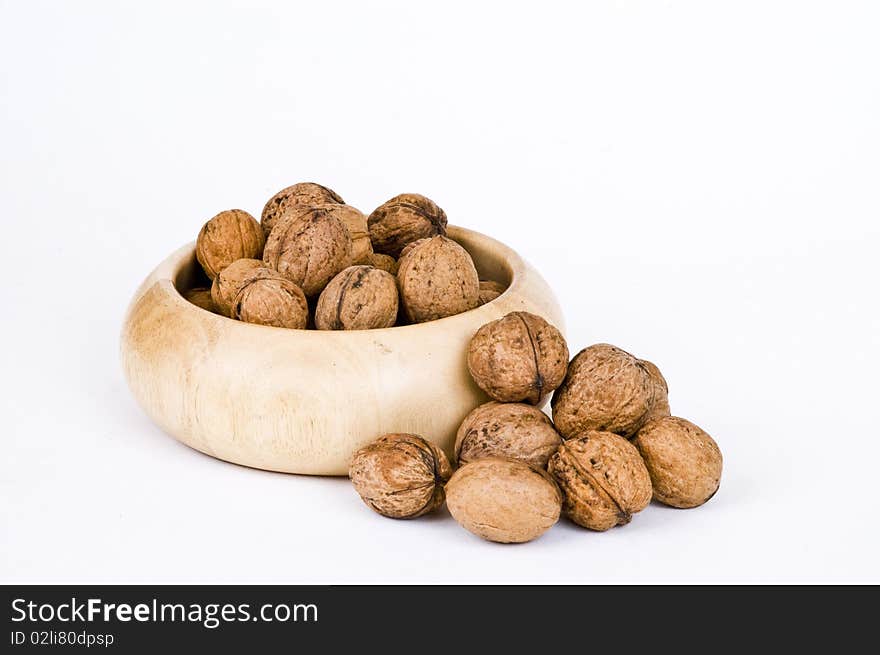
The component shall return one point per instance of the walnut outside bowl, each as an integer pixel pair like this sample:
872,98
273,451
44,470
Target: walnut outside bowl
302,401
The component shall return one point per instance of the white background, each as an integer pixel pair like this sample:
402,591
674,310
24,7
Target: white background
699,182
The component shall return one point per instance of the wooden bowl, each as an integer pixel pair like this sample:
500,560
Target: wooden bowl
302,401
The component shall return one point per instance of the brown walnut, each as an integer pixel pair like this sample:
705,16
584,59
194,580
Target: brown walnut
602,478
660,407
293,199
400,475
437,278
358,298
605,388
383,262
228,282
512,430
503,500
201,297
490,290
403,219
519,357
309,248
274,301
684,462
356,222
230,235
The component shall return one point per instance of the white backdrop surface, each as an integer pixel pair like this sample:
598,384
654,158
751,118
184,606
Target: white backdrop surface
697,181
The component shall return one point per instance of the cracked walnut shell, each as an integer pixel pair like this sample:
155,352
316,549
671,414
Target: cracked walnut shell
274,301
437,278
294,199
402,220
603,479
512,430
684,462
503,500
400,476
309,248
518,358
605,388
358,298
230,235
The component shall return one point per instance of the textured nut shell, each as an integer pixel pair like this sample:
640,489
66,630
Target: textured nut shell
602,478
309,248
358,298
490,290
293,199
400,475
402,220
228,282
201,297
503,500
606,388
519,357
356,222
660,408
684,462
511,430
272,301
437,278
383,262
230,235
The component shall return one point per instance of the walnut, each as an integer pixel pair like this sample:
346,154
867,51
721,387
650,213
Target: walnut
272,301
309,248
606,388
510,430
228,282
660,407
602,478
490,290
404,219
519,357
358,298
293,199
684,462
503,500
383,262
201,297
400,475
437,278
356,222
230,235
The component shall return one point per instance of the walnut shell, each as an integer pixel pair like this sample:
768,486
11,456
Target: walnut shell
272,301
511,430
293,199
358,298
404,219
228,282
606,388
400,476
437,278
383,262
490,290
309,248
230,235
603,479
660,407
201,297
519,357
356,222
503,500
684,462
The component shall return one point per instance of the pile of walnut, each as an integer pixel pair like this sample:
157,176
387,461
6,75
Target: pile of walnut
612,444
311,256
